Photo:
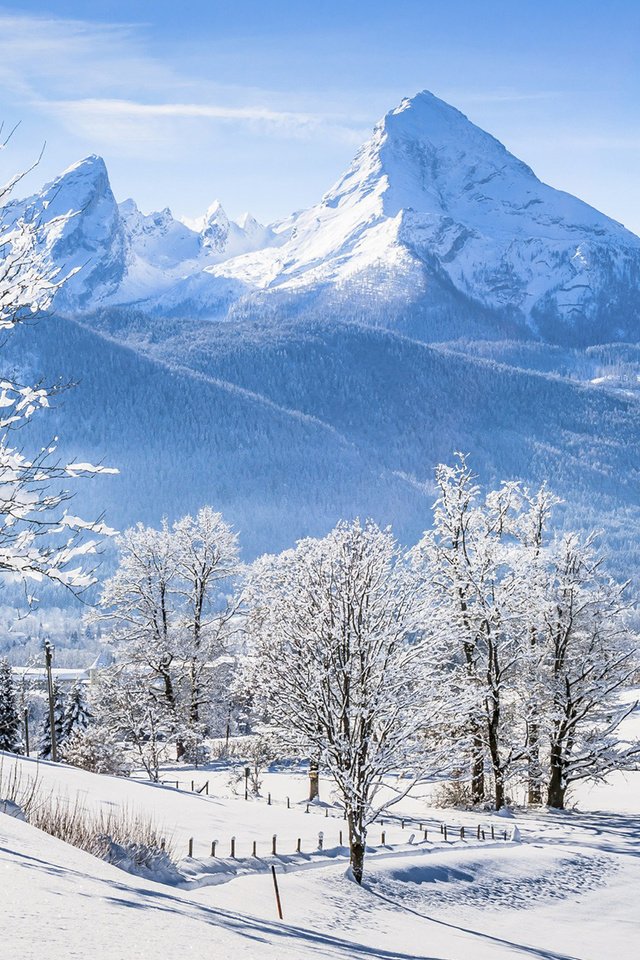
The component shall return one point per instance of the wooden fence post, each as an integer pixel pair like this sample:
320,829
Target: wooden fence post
190,846
445,833
269,799
253,852
213,847
233,848
383,838
340,838
425,834
288,804
298,845
462,833
274,843
493,834
275,886
320,840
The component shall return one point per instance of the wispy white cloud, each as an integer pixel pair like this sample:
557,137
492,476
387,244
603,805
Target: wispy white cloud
100,81
107,117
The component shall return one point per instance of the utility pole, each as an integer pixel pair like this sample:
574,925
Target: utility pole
26,730
48,658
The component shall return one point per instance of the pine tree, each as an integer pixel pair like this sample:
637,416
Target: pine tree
9,715
58,713
77,715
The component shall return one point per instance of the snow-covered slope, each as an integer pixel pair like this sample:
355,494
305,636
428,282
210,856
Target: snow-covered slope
568,890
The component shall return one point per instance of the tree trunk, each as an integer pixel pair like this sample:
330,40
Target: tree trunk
357,845
534,793
557,789
496,763
477,770
314,780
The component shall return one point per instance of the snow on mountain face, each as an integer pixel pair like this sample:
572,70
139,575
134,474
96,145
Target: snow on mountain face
431,198
124,254
80,227
435,229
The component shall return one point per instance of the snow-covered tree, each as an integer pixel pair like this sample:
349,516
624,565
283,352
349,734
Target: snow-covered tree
58,719
591,657
469,562
335,662
38,537
132,706
543,644
138,601
173,610
10,738
77,715
97,749
207,563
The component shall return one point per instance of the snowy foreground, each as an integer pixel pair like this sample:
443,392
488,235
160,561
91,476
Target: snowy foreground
568,890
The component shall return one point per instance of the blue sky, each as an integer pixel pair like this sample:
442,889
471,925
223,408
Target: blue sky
263,104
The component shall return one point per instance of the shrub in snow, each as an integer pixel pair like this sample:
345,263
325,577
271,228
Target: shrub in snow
456,792
141,859
95,749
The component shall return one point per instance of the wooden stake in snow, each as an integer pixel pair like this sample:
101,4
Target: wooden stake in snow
190,846
275,886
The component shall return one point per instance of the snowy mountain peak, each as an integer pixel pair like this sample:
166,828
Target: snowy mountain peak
215,229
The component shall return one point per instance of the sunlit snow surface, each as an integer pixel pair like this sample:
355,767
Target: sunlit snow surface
568,891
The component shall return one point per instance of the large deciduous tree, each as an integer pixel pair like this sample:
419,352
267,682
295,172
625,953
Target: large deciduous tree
173,605
336,661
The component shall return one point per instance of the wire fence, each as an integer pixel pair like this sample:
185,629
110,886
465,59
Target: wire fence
423,830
